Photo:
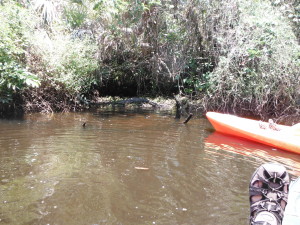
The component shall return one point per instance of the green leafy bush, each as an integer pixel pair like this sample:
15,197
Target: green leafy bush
78,66
258,70
70,61
75,15
13,77
13,73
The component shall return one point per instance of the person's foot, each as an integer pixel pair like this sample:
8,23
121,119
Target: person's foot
268,191
265,218
273,125
262,125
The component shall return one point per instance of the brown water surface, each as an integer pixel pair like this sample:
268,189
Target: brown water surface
126,167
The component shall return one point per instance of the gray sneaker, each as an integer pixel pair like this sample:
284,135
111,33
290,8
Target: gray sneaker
265,218
268,192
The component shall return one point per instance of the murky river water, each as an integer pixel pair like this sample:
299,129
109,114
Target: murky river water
125,168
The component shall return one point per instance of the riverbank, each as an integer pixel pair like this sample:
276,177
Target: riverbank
178,106
181,106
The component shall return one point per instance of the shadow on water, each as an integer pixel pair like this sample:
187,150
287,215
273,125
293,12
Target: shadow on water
125,167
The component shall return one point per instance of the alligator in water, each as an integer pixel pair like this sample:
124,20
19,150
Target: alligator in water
134,100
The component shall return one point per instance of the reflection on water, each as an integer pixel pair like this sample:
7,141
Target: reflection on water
54,171
252,151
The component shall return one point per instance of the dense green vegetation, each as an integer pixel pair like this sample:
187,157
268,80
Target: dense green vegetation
233,55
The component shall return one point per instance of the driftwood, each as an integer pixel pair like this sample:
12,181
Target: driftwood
188,118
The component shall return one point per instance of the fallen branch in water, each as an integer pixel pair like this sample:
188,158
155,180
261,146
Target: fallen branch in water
188,118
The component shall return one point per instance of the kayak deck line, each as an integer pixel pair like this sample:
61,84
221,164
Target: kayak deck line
285,139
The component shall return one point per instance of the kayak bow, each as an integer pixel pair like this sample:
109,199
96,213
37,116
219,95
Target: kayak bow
285,139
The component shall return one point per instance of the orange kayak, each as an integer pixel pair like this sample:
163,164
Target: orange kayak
286,139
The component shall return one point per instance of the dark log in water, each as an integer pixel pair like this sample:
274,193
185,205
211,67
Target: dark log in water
188,118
